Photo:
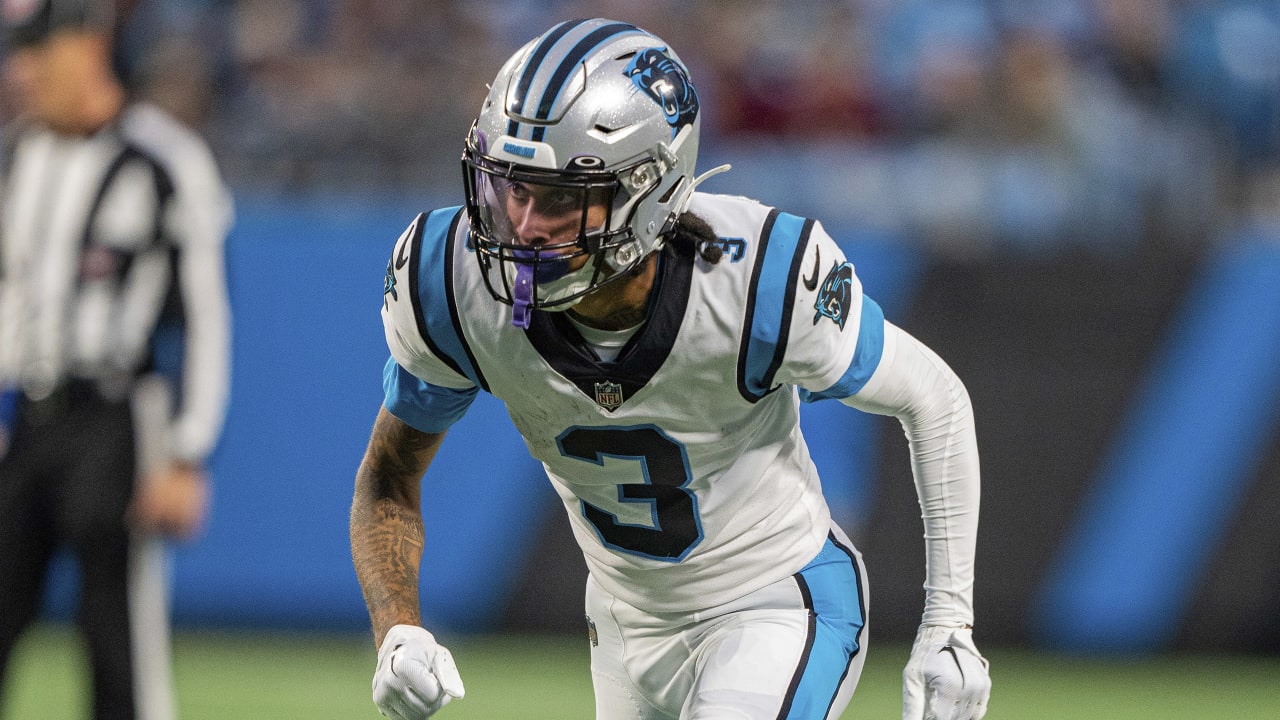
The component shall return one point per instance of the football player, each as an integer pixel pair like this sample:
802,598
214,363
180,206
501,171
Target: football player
653,344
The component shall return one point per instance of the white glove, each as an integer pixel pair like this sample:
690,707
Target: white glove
416,675
946,677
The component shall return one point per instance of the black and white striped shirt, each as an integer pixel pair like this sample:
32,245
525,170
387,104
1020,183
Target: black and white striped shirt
111,251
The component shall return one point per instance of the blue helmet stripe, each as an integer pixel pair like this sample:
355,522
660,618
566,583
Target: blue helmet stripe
567,65
531,69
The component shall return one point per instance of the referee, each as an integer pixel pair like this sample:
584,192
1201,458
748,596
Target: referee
114,345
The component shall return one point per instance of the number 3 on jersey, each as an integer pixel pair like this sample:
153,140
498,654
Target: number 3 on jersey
676,528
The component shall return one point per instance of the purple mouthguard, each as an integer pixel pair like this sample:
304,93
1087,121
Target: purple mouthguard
527,272
522,296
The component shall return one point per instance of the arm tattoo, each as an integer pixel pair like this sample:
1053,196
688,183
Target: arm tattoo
386,522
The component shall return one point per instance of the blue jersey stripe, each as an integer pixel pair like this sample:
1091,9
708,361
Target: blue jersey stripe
423,406
769,303
451,295
866,356
432,302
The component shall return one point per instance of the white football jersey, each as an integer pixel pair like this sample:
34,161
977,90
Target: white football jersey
681,465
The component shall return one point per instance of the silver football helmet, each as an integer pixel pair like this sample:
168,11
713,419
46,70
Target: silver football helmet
579,163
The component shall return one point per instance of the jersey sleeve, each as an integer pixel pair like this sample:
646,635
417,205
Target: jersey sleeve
421,405
917,387
829,335
422,384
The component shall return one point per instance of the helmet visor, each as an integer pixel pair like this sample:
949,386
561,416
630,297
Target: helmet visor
548,213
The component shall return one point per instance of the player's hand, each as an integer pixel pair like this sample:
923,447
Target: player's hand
946,677
416,675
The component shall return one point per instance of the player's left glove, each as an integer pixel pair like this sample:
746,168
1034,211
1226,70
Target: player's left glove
946,677
416,676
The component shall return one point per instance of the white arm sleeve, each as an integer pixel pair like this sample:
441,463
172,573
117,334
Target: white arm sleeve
916,386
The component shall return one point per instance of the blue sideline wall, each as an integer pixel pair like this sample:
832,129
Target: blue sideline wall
306,282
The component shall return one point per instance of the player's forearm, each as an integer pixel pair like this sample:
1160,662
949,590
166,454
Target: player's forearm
945,467
386,523
386,548
916,386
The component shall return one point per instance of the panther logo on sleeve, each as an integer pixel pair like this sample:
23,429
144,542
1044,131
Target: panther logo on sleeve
664,79
389,284
836,296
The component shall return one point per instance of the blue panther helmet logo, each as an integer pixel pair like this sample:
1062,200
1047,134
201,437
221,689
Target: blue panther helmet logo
664,79
836,296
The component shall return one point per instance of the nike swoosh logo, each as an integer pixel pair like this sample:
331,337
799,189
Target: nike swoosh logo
401,258
956,659
811,282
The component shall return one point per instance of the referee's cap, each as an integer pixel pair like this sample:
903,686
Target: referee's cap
29,22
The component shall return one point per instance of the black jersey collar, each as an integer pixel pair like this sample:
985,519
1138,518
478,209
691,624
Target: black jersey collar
559,343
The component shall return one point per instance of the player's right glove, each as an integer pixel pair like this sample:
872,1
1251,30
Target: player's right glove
416,675
946,677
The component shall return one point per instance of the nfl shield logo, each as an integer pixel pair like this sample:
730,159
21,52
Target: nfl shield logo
609,395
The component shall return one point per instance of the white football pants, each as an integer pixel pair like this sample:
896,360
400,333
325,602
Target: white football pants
791,650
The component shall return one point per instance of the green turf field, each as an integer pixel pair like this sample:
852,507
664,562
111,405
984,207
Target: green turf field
263,675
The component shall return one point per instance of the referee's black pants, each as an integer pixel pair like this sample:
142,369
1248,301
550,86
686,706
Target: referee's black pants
66,483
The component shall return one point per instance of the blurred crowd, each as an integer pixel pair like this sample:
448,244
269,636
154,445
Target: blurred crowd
970,125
